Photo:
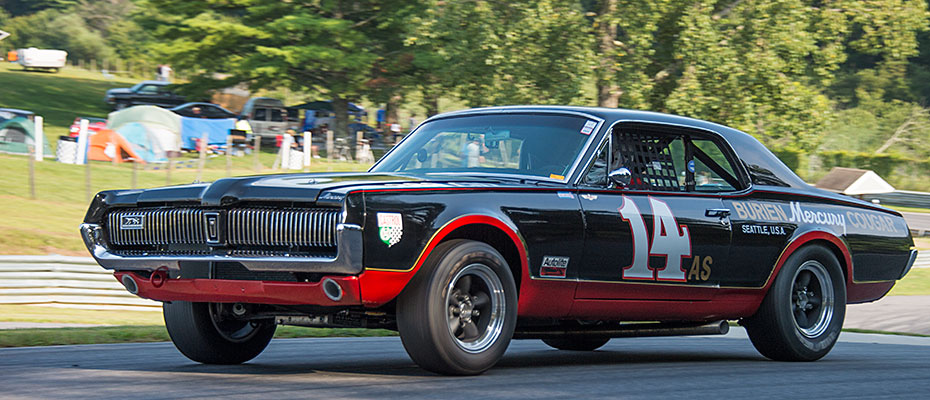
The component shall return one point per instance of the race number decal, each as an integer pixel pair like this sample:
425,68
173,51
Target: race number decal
669,240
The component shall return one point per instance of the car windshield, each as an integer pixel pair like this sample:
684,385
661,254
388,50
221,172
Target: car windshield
542,145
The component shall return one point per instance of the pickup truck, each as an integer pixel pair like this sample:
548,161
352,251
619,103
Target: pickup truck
147,92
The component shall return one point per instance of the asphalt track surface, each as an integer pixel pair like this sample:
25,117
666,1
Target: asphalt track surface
336,368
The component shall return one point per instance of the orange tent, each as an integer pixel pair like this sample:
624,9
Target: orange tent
107,144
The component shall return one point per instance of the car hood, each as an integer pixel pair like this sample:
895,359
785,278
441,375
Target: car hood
297,188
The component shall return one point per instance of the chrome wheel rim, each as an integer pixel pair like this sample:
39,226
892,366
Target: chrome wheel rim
812,299
475,305
233,330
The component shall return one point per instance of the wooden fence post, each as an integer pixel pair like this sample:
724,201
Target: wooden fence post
257,148
229,147
32,174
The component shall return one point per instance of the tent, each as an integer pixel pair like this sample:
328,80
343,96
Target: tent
162,126
143,141
106,145
17,134
216,129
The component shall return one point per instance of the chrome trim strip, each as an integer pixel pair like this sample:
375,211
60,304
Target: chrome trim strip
348,259
910,263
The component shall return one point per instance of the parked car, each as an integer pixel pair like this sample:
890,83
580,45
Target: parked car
94,125
42,59
565,224
147,92
267,116
203,110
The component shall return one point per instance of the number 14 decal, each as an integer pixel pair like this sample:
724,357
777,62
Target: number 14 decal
669,240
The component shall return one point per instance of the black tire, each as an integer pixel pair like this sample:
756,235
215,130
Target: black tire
202,335
803,312
460,280
576,343
120,105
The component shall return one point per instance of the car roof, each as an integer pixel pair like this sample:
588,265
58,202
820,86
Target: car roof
199,104
762,164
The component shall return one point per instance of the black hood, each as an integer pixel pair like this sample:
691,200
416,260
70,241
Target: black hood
279,188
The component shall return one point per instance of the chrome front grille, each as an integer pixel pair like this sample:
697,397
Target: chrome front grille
242,228
156,226
268,227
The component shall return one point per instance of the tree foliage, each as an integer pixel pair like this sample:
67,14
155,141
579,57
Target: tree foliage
315,46
502,52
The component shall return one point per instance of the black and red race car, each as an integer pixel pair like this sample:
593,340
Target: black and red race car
568,224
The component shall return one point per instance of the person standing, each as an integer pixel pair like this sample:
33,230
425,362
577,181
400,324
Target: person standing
165,73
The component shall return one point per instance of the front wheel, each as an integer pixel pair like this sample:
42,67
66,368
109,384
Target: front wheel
203,333
458,314
802,314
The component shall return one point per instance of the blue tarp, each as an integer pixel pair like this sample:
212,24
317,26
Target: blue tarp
216,129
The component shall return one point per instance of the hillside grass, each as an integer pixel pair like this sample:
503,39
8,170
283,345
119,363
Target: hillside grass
49,224
58,97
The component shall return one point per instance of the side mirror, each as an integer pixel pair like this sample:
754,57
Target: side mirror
620,177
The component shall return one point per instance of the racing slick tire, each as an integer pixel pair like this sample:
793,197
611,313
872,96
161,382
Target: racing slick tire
576,343
458,314
202,334
801,316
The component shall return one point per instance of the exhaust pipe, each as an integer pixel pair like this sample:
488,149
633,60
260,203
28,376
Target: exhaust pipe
627,330
130,283
332,290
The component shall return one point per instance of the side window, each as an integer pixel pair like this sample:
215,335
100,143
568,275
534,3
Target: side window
708,176
597,172
148,89
277,115
664,160
651,158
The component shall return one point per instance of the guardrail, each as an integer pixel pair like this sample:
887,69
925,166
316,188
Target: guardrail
78,282
61,281
905,198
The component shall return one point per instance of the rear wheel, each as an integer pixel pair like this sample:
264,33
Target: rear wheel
204,334
458,314
576,343
802,315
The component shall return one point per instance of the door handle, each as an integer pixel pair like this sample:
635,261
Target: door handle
717,212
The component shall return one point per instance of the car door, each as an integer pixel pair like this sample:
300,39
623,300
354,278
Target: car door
659,236
146,94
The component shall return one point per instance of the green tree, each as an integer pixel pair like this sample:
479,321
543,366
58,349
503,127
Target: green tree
328,47
501,52
24,7
54,29
759,65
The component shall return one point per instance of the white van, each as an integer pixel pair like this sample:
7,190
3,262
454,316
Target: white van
42,59
267,116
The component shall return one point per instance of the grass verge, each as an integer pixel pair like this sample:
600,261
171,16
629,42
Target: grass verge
29,313
154,333
49,224
915,283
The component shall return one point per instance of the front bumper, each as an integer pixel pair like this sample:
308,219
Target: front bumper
158,288
348,259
